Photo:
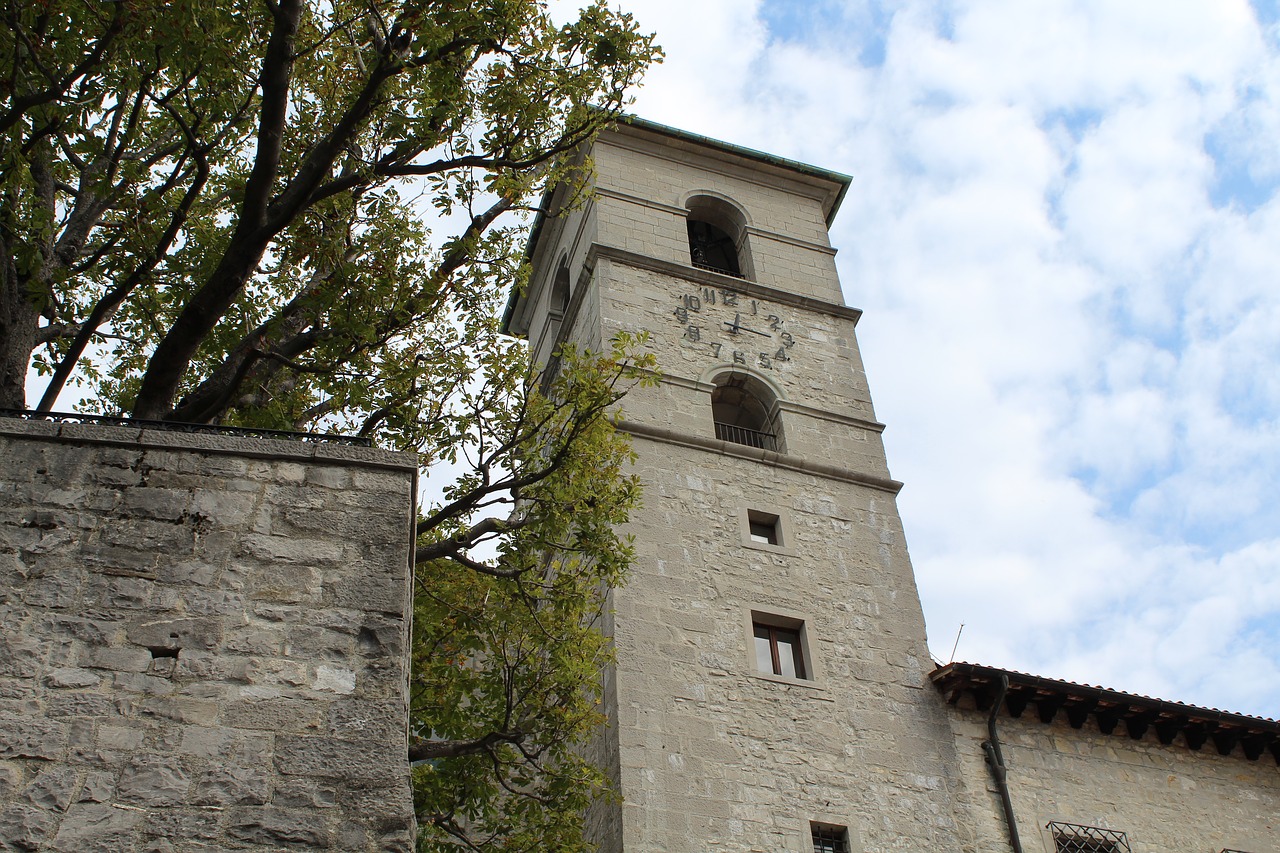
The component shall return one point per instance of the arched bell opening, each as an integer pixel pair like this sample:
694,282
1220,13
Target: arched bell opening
745,411
717,237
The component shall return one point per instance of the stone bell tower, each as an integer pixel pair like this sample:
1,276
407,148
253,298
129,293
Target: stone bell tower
770,691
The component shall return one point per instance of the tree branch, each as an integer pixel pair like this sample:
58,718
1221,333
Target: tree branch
426,750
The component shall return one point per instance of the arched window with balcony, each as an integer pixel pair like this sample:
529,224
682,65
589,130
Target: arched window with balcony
717,236
745,411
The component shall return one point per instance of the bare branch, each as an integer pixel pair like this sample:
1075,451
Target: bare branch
426,750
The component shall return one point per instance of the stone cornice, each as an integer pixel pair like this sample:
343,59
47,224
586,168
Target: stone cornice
719,280
769,457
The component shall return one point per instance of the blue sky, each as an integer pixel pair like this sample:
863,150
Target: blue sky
1064,231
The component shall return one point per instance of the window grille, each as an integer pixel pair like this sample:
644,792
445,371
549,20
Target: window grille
1071,838
743,435
830,839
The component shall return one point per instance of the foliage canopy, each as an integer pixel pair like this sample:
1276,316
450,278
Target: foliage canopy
211,211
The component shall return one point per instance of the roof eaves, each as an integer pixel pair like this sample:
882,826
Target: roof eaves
1109,708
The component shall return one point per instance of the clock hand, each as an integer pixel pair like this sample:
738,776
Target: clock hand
736,326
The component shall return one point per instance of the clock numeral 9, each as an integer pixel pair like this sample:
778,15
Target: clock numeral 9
682,314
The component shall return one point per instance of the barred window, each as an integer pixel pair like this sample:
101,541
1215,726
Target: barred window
1073,838
829,839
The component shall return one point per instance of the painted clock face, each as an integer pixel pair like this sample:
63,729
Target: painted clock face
731,326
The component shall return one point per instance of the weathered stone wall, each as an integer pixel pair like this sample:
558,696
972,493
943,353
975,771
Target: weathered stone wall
1163,797
204,642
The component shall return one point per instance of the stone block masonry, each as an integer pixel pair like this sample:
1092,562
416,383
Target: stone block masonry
203,643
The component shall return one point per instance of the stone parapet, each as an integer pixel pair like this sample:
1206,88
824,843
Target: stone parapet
204,642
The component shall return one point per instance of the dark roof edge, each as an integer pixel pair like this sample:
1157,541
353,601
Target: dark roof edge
514,295
839,178
1109,707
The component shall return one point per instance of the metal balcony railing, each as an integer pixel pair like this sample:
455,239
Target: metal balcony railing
749,437
721,270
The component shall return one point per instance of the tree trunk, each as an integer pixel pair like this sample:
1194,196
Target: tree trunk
19,320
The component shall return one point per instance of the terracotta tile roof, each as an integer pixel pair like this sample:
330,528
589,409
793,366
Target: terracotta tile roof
1109,708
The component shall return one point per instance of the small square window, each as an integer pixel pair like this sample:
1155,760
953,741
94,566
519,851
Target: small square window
764,532
829,839
778,650
764,528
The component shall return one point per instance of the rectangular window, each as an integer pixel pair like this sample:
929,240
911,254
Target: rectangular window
778,650
1073,838
829,839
